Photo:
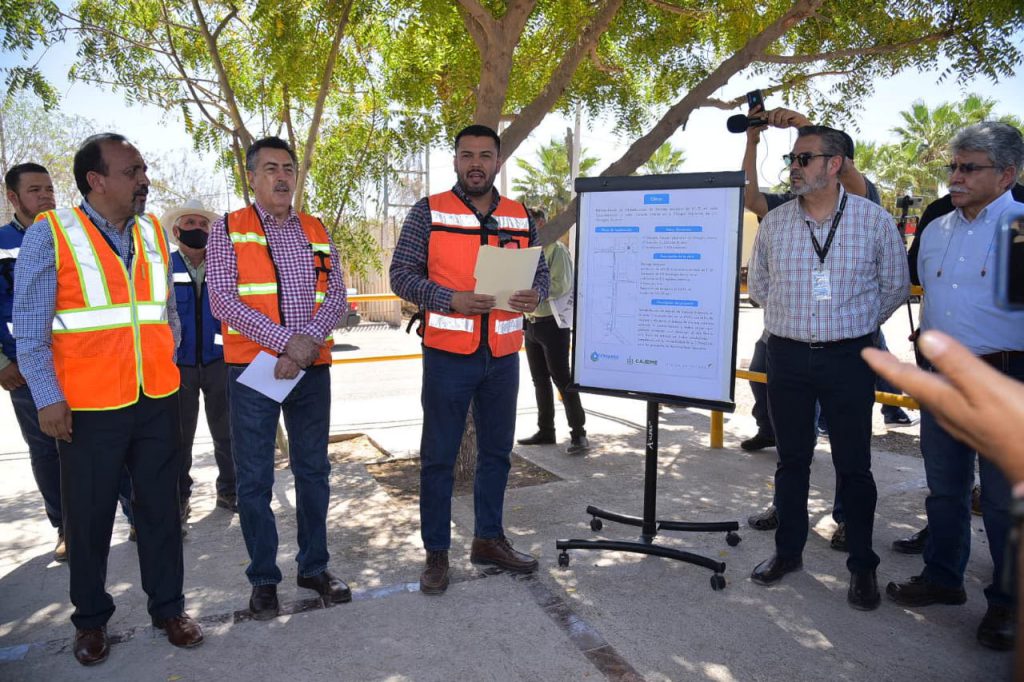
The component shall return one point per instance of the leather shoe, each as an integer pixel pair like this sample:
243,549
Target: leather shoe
263,602
60,550
539,438
91,645
229,502
770,571
838,541
331,588
998,628
919,592
498,552
863,593
182,630
434,579
766,520
577,445
758,442
913,544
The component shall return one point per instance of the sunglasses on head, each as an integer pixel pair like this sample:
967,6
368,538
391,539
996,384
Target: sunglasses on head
802,159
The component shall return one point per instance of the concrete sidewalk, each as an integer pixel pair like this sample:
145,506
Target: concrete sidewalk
608,616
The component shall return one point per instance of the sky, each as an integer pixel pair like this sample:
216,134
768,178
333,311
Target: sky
707,144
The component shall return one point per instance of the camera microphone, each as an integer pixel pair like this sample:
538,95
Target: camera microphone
739,123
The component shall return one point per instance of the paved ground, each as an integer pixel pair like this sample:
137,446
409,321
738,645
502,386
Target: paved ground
608,616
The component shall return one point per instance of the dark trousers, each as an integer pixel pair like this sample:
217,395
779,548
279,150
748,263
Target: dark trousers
841,381
307,418
451,383
949,467
42,453
547,352
142,438
212,380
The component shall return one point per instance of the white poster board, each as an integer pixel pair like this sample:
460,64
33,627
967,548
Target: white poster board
657,287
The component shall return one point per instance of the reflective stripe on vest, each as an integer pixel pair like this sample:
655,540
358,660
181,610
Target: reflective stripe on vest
257,289
90,272
245,237
182,278
454,324
218,340
110,331
508,326
468,220
9,253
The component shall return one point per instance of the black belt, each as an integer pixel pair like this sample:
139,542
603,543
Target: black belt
820,345
1001,358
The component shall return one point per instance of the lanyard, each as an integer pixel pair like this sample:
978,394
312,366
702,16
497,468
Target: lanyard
823,251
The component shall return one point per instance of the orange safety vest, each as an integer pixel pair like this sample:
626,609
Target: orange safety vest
258,283
455,239
110,333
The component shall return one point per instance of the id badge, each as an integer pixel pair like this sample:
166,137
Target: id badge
821,288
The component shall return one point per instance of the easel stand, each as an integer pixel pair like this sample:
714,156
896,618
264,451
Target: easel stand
649,524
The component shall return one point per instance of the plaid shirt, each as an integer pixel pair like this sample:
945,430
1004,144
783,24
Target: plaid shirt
867,264
294,262
408,273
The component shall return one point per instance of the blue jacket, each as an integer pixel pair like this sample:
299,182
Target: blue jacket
199,328
10,243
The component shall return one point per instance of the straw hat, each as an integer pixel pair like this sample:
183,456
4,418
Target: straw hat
190,207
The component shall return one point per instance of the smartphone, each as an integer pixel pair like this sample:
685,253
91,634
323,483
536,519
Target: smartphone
755,98
1010,261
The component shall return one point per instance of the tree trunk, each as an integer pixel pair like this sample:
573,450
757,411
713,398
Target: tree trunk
465,462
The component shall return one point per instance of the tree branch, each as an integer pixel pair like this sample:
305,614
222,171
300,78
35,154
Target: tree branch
533,113
243,136
680,112
716,103
674,9
318,108
873,50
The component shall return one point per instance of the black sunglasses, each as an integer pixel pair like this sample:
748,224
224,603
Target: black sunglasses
504,238
802,159
965,168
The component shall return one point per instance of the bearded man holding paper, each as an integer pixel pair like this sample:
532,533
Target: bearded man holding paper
470,348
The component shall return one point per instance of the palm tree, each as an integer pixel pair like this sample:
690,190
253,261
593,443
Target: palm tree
915,164
665,159
548,184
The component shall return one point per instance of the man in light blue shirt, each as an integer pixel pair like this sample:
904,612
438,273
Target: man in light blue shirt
956,265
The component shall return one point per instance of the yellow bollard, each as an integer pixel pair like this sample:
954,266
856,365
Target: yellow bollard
717,430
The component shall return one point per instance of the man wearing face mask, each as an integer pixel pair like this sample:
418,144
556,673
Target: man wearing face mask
201,354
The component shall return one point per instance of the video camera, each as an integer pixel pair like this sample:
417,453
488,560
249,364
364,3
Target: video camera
908,202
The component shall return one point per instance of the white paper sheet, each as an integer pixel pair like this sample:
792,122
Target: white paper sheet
259,376
502,272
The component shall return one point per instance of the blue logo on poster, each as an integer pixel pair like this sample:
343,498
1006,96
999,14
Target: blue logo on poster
655,198
593,357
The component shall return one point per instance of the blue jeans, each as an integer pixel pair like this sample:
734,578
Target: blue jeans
949,467
450,384
42,453
254,417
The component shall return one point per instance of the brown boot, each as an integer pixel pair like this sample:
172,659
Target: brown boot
498,552
434,579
